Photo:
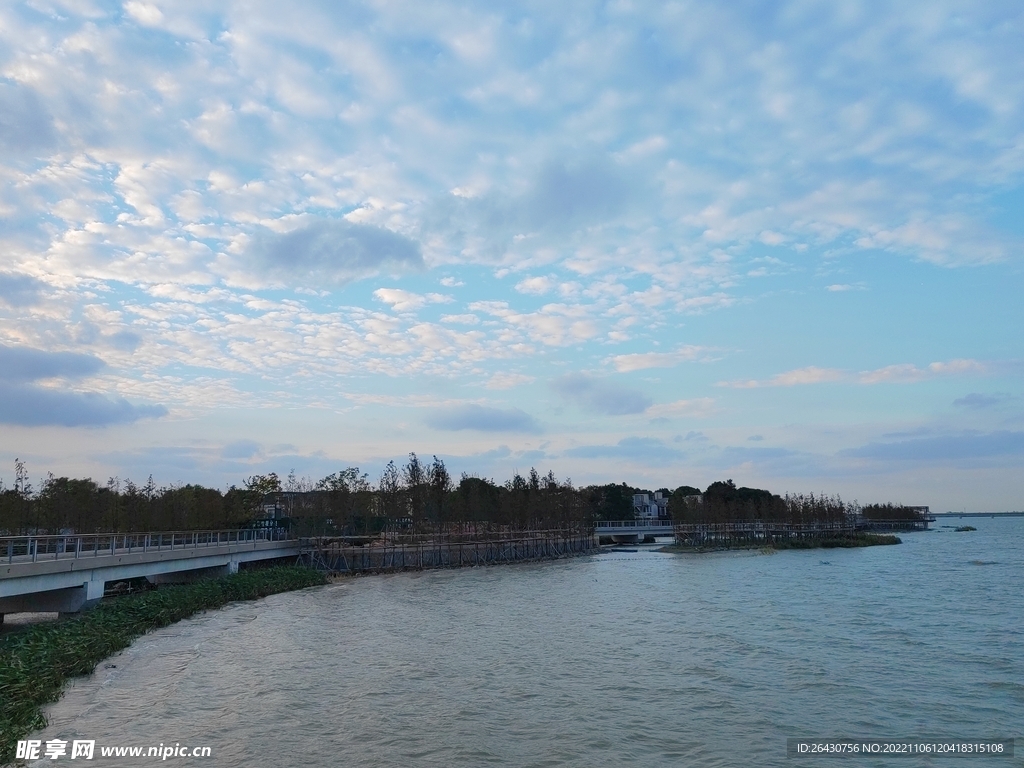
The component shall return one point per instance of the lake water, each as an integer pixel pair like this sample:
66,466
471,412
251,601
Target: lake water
645,659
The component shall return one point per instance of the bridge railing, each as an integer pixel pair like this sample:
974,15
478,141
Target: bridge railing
643,522
76,546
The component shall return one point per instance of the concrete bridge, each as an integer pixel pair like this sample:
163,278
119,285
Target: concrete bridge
632,531
66,573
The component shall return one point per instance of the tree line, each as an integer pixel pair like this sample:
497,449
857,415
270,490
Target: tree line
723,502
417,496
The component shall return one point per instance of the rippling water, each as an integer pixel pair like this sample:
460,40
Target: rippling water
615,659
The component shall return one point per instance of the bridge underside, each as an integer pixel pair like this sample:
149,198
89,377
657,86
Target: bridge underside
636,537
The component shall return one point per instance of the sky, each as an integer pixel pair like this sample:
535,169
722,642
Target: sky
658,243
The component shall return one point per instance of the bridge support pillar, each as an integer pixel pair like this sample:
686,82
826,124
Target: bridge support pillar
67,600
93,592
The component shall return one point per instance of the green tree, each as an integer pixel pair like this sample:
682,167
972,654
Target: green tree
389,492
684,504
610,502
440,488
257,488
415,478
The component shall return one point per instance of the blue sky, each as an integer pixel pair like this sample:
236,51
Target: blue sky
660,243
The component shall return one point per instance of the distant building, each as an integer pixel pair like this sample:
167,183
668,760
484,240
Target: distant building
650,506
279,504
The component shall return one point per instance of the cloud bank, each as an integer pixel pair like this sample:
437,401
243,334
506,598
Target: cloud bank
332,252
24,402
482,418
600,396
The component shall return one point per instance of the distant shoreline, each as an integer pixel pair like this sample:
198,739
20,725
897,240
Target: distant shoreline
834,542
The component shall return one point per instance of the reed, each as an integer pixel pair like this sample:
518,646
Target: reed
37,661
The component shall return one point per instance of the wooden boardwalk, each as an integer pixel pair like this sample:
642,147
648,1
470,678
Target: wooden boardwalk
341,557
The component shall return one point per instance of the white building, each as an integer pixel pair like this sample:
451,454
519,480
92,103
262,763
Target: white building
646,505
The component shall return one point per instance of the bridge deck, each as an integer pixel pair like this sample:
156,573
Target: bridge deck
641,527
41,571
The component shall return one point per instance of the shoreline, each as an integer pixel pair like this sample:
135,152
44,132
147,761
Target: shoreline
37,661
836,542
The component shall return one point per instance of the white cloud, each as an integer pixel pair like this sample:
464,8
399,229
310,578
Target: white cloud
407,301
554,325
909,373
535,286
642,360
701,407
146,14
466,319
891,374
508,380
809,375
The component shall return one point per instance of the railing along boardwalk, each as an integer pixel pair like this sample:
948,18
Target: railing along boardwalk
337,556
32,549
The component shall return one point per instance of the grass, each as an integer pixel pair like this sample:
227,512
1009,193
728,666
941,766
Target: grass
37,661
845,542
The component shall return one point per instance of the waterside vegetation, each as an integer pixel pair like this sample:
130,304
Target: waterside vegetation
727,517
839,541
35,662
724,503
